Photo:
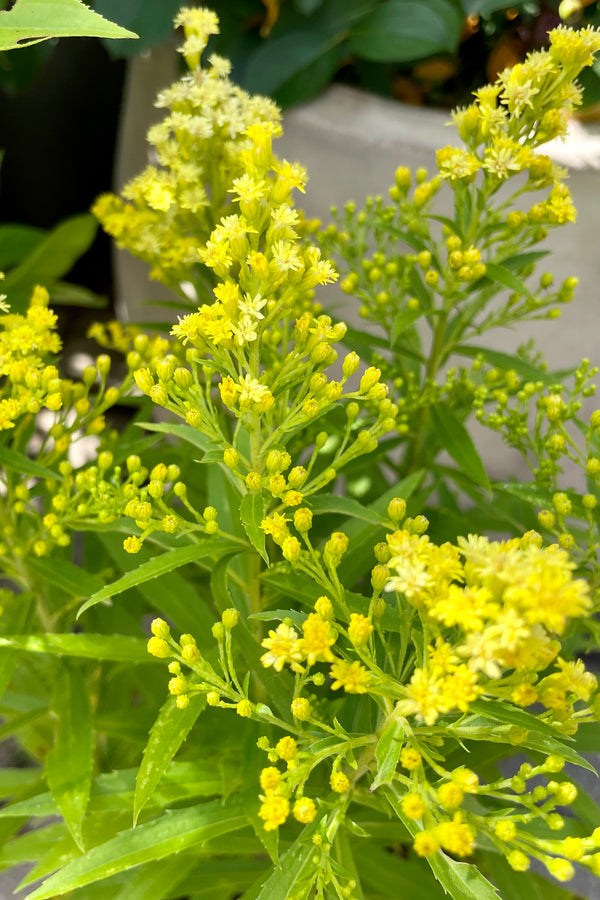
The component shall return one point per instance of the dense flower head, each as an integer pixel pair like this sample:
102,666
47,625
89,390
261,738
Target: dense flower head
26,342
168,211
509,600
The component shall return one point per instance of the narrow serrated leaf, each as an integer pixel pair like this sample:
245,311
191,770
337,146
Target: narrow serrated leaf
403,320
69,765
387,753
168,733
293,870
30,21
66,576
345,506
18,617
117,647
160,565
171,833
506,361
252,510
455,438
502,275
185,432
14,461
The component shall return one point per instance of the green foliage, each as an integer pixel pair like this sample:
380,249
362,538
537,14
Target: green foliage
31,21
236,657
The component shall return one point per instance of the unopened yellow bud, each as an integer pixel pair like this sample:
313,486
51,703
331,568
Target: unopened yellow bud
304,810
286,748
158,647
244,709
303,520
324,608
339,782
369,379
350,364
300,708
291,549
253,482
230,618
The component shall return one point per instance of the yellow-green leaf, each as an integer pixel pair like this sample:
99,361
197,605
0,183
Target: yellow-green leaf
31,21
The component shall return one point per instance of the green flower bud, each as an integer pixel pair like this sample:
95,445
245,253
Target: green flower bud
103,363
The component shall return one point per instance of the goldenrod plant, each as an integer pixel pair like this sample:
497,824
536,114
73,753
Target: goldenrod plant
226,671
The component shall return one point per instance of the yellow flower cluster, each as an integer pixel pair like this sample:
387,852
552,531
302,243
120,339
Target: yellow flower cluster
527,106
168,211
25,343
504,603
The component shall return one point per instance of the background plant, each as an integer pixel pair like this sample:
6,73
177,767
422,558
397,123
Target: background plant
347,667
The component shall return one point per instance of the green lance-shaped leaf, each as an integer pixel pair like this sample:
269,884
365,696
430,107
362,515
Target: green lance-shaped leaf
171,833
31,21
116,647
19,617
387,753
293,870
160,565
168,733
455,438
252,511
156,880
53,257
406,30
69,765
344,506
66,576
18,462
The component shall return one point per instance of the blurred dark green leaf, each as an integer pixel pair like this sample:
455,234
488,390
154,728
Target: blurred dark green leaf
406,30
